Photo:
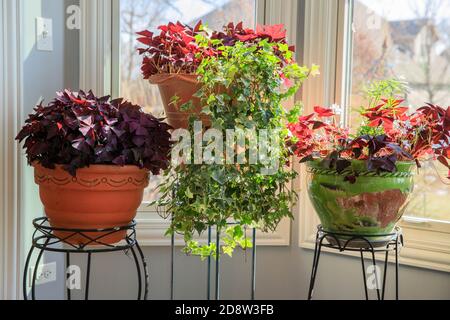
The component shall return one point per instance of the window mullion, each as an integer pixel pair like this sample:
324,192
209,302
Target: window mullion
344,58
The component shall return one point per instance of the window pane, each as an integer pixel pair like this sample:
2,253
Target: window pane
409,39
137,15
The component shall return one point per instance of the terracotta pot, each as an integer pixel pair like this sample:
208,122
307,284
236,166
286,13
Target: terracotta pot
184,86
101,196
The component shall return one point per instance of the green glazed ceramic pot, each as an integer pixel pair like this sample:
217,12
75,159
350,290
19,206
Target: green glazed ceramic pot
370,206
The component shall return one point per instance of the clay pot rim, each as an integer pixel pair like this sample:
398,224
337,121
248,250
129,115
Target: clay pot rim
163,78
111,169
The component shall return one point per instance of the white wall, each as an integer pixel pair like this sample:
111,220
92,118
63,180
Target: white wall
44,73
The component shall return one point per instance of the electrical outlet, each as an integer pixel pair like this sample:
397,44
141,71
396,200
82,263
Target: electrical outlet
44,34
45,273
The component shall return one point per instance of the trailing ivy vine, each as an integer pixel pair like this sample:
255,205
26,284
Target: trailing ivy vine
243,88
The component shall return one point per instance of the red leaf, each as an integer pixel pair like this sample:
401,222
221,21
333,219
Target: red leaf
375,123
246,37
447,152
145,33
447,119
77,101
187,39
318,125
275,32
306,118
197,26
444,161
176,28
146,41
399,111
163,28
323,112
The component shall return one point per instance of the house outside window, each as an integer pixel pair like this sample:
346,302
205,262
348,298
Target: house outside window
406,39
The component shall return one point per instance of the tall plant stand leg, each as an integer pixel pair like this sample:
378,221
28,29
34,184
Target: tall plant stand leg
253,264
208,280
172,265
217,271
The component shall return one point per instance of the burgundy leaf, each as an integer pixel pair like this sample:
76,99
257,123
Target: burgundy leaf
350,178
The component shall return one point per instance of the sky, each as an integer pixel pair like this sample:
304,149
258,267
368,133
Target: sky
403,9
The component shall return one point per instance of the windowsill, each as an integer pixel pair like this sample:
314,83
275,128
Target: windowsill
423,248
151,229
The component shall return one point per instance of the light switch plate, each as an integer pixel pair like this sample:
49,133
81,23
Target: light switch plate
44,34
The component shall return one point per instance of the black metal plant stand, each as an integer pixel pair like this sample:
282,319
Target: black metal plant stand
358,243
45,239
217,267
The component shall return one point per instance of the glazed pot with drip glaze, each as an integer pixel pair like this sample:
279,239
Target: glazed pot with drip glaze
371,206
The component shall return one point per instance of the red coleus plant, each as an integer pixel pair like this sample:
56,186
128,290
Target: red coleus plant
78,129
232,33
175,49
421,135
275,34
386,113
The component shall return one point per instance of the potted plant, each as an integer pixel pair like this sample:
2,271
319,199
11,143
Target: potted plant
171,58
222,192
92,157
360,183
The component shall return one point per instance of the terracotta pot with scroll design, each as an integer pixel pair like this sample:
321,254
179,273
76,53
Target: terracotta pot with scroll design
99,197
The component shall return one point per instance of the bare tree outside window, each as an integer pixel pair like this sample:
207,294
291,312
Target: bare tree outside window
407,39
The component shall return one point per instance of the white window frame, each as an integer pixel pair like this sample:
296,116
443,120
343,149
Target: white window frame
96,45
99,70
11,160
327,30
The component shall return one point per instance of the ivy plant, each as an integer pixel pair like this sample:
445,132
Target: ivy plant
242,89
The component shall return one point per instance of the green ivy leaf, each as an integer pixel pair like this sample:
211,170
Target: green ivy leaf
187,106
189,194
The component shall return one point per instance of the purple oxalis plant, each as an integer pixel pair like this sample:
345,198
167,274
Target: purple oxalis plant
78,129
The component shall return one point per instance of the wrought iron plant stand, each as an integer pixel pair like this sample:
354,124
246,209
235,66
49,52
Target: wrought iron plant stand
359,243
50,239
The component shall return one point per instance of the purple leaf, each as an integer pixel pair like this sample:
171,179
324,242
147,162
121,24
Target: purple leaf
86,119
118,131
85,130
120,160
139,140
76,130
